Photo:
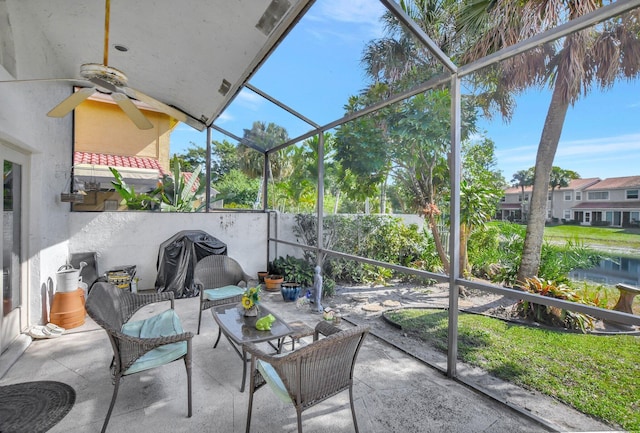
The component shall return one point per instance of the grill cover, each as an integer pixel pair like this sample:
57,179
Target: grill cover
177,258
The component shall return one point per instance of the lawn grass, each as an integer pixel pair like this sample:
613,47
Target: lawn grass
598,375
606,236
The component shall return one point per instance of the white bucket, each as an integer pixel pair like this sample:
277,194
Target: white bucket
67,280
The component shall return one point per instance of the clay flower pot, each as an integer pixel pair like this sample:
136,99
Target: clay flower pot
261,276
272,282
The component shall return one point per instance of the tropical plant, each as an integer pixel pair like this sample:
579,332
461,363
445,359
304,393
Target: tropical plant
595,56
193,157
180,191
132,199
549,315
293,269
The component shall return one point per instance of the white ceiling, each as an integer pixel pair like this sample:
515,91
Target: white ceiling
179,51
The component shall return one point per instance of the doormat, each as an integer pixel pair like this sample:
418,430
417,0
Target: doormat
34,406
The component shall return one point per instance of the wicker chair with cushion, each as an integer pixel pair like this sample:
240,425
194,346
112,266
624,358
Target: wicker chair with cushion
311,374
142,344
220,280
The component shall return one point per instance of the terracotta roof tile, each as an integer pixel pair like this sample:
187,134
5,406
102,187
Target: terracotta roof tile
117,161
578,184
617,183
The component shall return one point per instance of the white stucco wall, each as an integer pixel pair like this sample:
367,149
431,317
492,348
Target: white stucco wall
46,145
133,238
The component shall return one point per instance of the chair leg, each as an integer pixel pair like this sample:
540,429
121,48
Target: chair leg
218,339
187,364
199,320
116,385
299,413
353,410
250,405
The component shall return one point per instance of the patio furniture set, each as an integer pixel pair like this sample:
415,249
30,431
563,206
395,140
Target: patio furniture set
303,377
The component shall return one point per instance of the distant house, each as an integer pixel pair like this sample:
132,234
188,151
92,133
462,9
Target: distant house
614,201
105,137
610,202
514,206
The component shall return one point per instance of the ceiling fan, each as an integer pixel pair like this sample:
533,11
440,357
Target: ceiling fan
109,80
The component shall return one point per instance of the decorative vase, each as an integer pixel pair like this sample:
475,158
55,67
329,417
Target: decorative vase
67,309
272,282
290,291
251,312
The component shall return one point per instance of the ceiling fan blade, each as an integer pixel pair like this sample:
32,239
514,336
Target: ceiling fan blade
132,111
67,105
160,106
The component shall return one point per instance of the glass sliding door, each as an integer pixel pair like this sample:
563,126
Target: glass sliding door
13,314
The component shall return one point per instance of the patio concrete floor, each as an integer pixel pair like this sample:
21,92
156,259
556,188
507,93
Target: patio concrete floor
394,392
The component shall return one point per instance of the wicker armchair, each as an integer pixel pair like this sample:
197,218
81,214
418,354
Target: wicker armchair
220,280
139,345
311,374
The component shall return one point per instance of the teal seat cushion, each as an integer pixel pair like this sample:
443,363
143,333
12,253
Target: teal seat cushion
273,380
161,325
223,293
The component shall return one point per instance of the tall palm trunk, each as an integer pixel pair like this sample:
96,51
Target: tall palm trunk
465,232
544,162
433,225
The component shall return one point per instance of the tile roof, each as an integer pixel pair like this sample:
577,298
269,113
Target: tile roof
117,161
591,183
578,184
618,183
517,190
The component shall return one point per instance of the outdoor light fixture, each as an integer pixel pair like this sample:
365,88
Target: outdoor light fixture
224,87
275,11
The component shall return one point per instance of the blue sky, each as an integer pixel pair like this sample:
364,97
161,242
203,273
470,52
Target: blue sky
317,68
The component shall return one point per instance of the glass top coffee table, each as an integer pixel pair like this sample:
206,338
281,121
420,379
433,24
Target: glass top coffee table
240,329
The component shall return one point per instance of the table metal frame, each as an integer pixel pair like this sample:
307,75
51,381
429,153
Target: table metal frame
240,329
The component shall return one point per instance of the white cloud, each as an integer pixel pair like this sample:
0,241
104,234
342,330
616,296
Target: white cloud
352,20
224,117
249,99
604,146
595,157
352,11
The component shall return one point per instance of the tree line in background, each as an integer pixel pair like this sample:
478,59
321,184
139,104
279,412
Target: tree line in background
398,157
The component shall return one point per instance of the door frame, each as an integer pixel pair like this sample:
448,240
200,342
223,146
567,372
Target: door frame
16,321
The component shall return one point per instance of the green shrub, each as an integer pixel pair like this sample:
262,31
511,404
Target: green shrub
293,269
378,237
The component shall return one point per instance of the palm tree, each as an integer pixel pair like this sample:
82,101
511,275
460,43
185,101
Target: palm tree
560,178
571,67
522,179
395,63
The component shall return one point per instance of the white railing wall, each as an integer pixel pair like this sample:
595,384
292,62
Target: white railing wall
133,238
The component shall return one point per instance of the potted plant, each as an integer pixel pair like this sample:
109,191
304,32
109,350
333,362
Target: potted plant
272,282
290,291
294,270
261,276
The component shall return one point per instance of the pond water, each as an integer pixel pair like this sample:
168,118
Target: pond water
611,271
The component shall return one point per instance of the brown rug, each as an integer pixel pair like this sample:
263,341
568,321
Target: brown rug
34,406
